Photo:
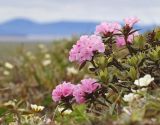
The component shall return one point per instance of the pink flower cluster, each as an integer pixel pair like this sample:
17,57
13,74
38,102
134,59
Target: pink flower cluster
87,86
120,41
85,48
130,21
62,90
106,28
79,92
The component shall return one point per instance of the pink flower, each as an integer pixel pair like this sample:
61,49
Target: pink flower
130,21
120,41
62,90
87,86
79,94
104,28
84,48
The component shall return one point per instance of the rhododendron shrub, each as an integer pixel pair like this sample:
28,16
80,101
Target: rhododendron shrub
125,64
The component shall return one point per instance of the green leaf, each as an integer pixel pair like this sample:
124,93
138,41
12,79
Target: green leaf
47,100
157,36
139,41
2,111
138,114
111,108
132,73
9,118
104,75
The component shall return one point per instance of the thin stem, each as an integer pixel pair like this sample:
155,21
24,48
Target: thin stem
54,113
130,49
104,104
117,64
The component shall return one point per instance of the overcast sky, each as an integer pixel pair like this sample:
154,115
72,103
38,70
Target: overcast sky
80,10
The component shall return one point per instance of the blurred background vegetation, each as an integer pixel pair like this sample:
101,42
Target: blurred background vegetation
30,71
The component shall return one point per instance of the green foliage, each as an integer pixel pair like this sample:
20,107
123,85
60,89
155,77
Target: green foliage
2,111
78,116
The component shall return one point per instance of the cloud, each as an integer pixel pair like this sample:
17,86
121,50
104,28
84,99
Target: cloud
80,10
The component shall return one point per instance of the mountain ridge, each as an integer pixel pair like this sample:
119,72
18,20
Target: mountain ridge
25,27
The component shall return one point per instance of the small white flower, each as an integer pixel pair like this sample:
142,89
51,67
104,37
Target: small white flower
47,56
6,73
8,65
144,81
30,55
46,62
71,70
66,112
130,97
41,46
36,108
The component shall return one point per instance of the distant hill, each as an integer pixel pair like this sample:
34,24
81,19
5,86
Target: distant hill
63,28
23,27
